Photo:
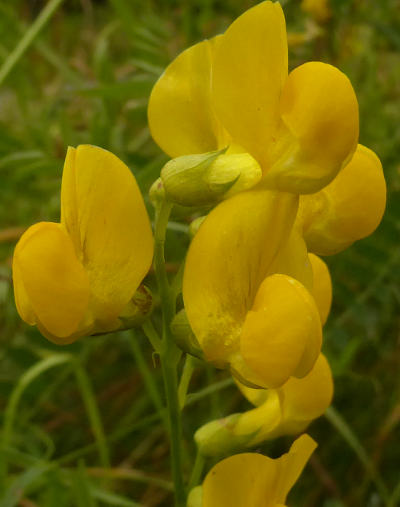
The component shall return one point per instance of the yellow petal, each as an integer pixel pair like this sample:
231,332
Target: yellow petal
289,409
255,396
253,480
281,335
348,209
241,480
53,282
293,260
181,117
227,260
307,398
69,208
292,464
104,212
322,286
250,68
22,301
261,421
319,132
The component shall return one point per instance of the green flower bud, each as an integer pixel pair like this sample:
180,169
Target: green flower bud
195,497
204,179
218,438
184,336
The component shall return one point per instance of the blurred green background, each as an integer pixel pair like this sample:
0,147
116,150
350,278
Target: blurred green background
86,78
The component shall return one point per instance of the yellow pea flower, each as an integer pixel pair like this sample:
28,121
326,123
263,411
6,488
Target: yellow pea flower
253,480
78,277
244,290
235,90
284,411
349,208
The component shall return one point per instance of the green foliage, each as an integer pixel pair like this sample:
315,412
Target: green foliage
85,77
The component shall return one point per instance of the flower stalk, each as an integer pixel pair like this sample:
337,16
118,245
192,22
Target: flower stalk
169,353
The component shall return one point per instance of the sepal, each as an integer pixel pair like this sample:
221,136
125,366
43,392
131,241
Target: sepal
218,438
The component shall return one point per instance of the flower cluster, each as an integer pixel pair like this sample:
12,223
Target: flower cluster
294,184
274,157
248,278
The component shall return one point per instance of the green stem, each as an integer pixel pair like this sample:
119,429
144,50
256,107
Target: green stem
185,379
30,35
167,302
169,354
152,335
197,471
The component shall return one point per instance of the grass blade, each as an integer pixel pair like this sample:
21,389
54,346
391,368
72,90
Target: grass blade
30,35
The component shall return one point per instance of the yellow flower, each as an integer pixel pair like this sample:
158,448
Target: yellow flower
78,277
244,290
284,411
235,90
253,480
319,9
348,209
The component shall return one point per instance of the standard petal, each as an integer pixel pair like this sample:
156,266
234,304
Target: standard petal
293,260
319,130
69,208
282,335
322,286
227,260
115,237
243,479
181,117
55,285
348,209
250,68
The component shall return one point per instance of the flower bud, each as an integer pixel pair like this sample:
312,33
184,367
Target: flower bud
195,498
204,179
219,437
184,336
